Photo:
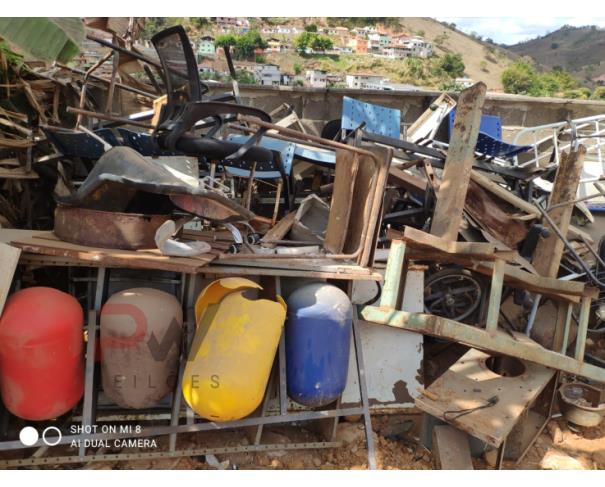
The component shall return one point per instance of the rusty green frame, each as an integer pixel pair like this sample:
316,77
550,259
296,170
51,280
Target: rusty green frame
491,338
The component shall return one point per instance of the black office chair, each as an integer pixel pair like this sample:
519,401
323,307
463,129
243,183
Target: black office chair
184,109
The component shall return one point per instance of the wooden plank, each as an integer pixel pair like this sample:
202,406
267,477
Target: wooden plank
402,179
469,383
365,205
390,291
280,230
480,250
46,243
549,251
9,258
458,164
451,449
347,165
495,296
489,213
519,203
515,344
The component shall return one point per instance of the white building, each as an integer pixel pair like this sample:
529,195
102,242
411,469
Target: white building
377,41
418,46
363,81
396,51
316,78
268,75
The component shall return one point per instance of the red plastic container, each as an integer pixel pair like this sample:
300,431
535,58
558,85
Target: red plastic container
41,353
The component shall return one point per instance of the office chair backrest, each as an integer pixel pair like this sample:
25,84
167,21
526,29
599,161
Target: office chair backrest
181,76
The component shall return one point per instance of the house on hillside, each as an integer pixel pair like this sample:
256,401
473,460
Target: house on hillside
268,75
365,81
206,47
377,41
316,78
359,45
275,45
396,51
418,46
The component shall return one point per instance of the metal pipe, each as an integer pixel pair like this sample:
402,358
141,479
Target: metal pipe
106,81
111,118
570,248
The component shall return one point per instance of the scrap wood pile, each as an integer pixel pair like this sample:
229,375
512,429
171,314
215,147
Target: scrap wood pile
199,177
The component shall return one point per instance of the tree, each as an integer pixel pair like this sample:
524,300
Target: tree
322,43
311,28
245,77
598,93
313,41
452,65
519,78
247,43
297,69
303,41
225,40
200,22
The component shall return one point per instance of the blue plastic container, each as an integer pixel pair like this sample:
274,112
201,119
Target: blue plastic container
318,338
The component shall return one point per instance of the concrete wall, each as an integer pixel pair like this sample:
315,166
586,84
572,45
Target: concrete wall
318,105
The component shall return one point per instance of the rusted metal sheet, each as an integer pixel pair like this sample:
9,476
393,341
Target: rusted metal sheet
107,229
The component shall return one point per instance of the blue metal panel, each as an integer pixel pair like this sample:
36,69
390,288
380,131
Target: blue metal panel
378,119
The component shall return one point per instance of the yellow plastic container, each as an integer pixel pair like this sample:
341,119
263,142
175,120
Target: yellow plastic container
232,351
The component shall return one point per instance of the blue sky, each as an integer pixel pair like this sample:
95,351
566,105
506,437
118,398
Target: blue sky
510,30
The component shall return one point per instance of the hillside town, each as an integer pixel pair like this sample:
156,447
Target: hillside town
367,41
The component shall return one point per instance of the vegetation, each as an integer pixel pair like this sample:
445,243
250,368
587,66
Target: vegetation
452,65
244,45
523,79
312,40
245,77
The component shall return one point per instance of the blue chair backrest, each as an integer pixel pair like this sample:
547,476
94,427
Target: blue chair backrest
490,125
378,119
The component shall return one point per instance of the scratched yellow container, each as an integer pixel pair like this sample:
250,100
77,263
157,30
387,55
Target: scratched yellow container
232,351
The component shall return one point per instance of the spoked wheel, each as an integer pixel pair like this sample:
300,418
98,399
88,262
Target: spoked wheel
452,293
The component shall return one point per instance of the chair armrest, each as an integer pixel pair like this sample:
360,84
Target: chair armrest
196,111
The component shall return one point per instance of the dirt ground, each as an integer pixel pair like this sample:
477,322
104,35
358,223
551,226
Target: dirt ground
397,448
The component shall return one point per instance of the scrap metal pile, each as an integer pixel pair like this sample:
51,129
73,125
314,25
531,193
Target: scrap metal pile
183,172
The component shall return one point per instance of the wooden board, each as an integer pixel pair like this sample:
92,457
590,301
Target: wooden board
507,343
521,204
451,450
47,243
383,155
402,179
9,258
548,253
469,383
447,217
480,250
347,165
492,217
280,230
